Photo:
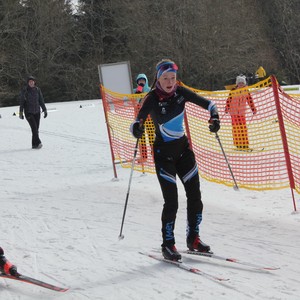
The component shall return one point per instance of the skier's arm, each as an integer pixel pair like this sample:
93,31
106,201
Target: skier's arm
137,127
145,109
41,100
206,104
199,100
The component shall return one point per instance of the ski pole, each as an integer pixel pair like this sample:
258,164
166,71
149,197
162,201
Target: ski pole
121,236
235,187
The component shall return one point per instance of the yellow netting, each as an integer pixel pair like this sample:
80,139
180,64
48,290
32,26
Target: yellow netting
272,136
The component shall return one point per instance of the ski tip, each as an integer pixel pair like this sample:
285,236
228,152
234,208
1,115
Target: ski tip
222,279
270,268
56,288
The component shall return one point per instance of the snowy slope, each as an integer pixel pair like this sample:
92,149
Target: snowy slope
61,215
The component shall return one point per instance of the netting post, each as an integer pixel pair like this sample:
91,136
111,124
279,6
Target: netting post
284,138
105,105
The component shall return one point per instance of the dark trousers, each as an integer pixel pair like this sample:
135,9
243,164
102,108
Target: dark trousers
34,122
172,159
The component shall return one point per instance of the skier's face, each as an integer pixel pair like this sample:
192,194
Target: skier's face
167,81
141,81
31,83
241,85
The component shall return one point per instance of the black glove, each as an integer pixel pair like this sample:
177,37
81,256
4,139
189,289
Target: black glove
45,114
137,129
21,116
214,124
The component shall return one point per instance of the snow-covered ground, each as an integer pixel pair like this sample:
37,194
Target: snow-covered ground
61,215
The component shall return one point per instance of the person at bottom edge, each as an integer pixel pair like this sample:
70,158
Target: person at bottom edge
6,267
31,99
173,155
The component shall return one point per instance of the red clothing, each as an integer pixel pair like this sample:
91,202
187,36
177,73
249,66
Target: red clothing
237,101
236,105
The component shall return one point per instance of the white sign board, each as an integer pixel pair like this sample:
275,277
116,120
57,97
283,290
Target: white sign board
116,77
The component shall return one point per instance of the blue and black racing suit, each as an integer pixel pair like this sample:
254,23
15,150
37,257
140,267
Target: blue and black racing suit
173,156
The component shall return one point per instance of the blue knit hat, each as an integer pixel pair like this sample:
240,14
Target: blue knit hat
166,66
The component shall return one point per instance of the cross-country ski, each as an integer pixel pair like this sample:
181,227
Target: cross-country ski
233,260
182,265
61,215
27,279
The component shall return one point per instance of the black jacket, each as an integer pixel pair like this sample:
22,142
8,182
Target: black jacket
168,115
31,99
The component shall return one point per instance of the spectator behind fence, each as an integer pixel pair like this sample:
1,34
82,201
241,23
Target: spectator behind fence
143,87
236,105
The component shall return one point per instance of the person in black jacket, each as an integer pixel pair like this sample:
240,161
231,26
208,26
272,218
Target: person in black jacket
172,153
31,99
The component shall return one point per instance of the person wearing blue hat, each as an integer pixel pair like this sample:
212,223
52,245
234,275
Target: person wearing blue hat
142,84
143,87
173,155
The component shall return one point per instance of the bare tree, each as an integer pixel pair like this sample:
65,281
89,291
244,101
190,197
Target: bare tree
210,40
282,24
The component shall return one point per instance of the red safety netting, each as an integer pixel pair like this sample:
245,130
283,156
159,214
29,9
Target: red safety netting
262,148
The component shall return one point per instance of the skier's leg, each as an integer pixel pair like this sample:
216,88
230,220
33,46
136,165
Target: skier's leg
188,172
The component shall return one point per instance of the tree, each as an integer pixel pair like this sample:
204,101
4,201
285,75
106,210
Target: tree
282,24
38,42
210,40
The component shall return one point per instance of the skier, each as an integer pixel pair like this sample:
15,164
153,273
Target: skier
236,105
31,99
172,153
6,266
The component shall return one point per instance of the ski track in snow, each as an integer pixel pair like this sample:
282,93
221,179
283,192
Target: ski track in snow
61,216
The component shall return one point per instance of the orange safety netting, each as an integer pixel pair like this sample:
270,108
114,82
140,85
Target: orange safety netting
262,148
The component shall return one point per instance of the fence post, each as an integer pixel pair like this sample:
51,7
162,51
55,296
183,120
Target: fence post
283,137
105,105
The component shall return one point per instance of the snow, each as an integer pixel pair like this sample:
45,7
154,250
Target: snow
61,216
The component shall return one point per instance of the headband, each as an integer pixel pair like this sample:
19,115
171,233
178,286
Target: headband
167,66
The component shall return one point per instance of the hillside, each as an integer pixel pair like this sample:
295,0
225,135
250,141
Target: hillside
61,215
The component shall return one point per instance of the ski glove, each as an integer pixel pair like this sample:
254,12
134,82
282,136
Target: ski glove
214,124
45,114
137,129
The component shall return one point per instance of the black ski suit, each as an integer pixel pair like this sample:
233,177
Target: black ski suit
173,156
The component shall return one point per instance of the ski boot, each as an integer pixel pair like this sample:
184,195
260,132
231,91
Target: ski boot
195,244
6,266
170,253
